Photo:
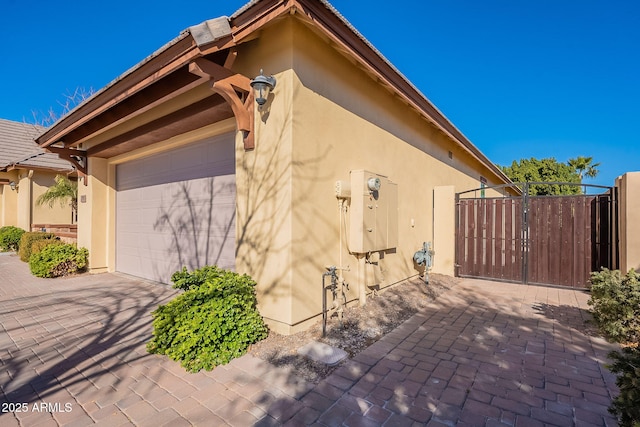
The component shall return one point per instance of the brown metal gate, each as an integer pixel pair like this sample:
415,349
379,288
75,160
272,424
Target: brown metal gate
550,240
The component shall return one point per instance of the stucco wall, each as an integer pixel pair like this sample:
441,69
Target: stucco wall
94,213
19,208
265,204
24,200
44,214
327,117
8,201
629,220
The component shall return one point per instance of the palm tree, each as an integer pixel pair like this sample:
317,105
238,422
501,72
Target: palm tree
584,166
64,190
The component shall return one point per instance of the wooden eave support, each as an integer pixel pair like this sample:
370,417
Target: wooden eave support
192,117
78,158
235,89
133,81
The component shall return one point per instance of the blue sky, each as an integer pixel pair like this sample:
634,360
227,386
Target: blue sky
544,78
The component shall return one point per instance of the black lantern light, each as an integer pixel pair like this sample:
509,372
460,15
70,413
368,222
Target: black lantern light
262,87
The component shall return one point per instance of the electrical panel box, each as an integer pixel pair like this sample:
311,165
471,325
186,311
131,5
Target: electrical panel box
374,212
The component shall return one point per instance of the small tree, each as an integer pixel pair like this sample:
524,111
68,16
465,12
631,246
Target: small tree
551,170
544,170
584,166
64,191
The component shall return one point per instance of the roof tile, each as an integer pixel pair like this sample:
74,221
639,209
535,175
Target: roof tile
17,147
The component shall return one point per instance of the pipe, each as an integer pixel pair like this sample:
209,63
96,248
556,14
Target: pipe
339,298
424,257
332,273
340,207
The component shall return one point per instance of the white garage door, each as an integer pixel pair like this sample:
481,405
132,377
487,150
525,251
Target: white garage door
177,209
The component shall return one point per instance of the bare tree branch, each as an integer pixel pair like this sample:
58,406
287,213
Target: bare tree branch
70,101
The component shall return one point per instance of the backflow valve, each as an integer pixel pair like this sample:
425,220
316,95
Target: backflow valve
424,258
337,287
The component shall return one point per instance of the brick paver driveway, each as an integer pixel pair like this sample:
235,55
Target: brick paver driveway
72,352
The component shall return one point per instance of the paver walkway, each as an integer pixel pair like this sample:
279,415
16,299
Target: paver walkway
72,352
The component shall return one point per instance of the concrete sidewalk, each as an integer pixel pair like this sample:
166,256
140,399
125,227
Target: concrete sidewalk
72,352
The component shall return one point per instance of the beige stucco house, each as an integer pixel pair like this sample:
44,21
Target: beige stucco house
346,164
27,171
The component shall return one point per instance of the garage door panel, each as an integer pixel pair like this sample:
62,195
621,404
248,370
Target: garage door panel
173,217
191,162
130,220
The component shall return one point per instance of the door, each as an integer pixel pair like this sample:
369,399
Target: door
177,208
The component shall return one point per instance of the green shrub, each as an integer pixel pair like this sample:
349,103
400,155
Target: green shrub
27,240
616,304
186,280
39,245
212,322
10,238
58,260
626,406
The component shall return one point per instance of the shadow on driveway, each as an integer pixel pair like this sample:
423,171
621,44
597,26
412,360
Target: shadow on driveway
483,353
71,338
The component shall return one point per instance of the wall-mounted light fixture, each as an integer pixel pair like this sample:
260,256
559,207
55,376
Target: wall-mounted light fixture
13,185
262,87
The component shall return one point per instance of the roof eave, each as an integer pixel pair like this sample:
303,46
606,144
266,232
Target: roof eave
354,43
117,90
249,19
18,166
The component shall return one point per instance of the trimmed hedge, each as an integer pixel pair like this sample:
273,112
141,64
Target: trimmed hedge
27,240
626,406
10,238
39,245
212,322
615,301
58,260
186,280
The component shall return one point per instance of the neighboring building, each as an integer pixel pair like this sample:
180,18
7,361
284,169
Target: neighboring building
26,171
183,168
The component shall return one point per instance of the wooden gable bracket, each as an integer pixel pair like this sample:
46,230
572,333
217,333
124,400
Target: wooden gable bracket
78,158
235,89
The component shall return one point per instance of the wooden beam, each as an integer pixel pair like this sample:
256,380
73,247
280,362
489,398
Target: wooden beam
227,85
160,92
77,157
199,114
231,58
208,69
143,75
225,88
243,111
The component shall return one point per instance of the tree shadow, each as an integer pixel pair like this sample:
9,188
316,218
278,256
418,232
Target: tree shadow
468,357
472,358
276,242
358,328
197,225
569,316
69,340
